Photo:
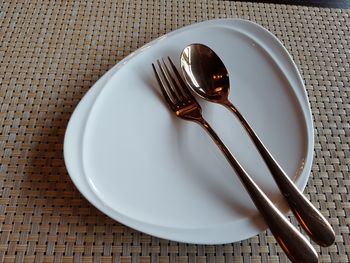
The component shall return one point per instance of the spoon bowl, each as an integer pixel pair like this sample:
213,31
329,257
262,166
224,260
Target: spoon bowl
205,73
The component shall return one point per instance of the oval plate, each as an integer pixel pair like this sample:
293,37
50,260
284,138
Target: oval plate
139,164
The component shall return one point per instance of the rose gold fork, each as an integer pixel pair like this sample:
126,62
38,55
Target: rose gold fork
185,106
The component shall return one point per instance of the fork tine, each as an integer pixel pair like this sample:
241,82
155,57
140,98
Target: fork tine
185,91
168,87
174,82
163,89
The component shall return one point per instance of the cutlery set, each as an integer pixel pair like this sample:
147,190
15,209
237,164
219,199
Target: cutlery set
205,75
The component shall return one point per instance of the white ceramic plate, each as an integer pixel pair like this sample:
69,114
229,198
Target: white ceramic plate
136,162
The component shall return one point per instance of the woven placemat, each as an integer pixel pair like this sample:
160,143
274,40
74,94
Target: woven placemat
51,53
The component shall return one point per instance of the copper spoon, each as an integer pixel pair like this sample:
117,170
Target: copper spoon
208,77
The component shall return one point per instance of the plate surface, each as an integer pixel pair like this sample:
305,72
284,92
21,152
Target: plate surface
136,162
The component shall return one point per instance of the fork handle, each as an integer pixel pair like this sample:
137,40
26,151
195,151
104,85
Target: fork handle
313,222
293,243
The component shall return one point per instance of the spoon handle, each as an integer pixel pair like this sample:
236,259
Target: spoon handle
294,244
313,222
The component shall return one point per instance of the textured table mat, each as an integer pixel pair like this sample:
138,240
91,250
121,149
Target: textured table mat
51,53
